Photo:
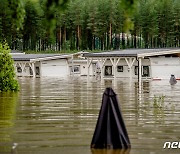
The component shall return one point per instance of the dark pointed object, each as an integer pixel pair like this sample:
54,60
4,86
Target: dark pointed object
172,80
110,132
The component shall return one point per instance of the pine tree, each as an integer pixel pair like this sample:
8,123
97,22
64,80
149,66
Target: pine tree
7,74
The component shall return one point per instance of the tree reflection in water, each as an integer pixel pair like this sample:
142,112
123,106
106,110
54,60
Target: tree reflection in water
8,104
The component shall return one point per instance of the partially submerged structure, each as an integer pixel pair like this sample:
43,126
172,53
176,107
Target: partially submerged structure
137,63
128,63
49,65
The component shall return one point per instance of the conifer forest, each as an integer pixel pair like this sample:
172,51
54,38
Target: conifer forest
74,25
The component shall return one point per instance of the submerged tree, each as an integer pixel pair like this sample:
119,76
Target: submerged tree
7,73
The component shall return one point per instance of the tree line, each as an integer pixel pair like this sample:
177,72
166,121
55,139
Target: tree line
90,24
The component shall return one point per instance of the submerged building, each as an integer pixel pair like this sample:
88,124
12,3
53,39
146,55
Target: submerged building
129,63
137,63
49,65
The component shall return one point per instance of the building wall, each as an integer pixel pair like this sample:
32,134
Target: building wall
19,71
159,67
126,71
27,69
55,68
84,68
163,67
82,64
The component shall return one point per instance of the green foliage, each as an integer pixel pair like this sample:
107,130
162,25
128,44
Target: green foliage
7,74
51,7
129,7
12,15
19,13
89,25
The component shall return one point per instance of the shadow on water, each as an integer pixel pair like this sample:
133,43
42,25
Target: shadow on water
110,151
8,103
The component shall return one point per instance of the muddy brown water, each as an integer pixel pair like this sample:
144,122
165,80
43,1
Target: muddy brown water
58,115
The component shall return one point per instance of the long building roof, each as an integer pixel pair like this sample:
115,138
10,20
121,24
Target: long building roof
40,57
28,57
134,52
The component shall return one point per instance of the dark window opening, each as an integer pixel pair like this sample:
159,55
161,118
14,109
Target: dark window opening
108,70
136,70
145,71
37,71
119,68
19,70
30,71
75,69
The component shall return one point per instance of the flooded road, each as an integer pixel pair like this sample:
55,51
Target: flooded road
58,116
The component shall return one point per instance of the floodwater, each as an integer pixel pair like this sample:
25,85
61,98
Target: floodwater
58,116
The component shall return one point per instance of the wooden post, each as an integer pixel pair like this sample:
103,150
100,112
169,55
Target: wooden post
130,64
33,70
88,67
72,61
140,70
114,68
103,61
130,68
102,72
101,66
114,63
23,67
140,79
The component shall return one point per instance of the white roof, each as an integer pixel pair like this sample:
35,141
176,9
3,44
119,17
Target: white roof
134,52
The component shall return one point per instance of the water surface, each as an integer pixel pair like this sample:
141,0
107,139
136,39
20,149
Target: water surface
58,115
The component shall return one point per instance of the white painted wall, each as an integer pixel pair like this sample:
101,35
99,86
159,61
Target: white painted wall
160,67
55,68
84,67
126,72
163,67
26,71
